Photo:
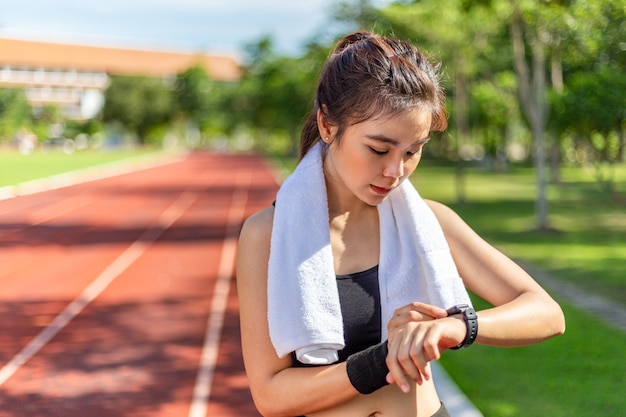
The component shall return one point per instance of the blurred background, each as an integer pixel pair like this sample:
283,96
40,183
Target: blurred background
534,157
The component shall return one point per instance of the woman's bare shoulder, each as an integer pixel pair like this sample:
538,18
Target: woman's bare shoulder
454,227
443,213
257,229
253,252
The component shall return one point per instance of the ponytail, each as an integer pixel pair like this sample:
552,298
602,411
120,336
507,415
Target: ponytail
310,133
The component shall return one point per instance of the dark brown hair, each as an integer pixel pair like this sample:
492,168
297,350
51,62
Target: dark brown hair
372,76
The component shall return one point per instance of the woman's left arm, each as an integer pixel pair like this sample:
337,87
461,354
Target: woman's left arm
523,312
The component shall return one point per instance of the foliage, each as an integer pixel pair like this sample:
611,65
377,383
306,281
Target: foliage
583,47
593,102
139,103
276,92
14,113
494,115
89,127
192,90
203,102
48,123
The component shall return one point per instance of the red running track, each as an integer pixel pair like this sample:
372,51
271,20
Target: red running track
117,296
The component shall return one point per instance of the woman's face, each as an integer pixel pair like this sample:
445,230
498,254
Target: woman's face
373,157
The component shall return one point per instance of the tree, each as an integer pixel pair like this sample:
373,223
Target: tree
532,90
192,94
494,114
572,36
592,108
138,103
15,112
276,92
48,123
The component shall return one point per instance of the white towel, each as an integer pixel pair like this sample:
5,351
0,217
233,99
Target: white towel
304,314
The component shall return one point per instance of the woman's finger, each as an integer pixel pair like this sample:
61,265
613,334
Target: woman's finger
425,310
414,312
396,374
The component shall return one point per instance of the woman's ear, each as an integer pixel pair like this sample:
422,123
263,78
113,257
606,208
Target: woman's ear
326,130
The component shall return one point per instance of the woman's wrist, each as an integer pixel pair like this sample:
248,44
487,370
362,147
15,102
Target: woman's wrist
367,370
468,316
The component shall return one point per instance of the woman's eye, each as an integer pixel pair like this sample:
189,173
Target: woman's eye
417,151
377,152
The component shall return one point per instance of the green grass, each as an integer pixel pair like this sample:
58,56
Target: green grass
588,244
582,373
16,168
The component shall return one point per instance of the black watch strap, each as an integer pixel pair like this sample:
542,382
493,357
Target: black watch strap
471,324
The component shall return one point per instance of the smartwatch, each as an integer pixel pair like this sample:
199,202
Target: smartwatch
471,323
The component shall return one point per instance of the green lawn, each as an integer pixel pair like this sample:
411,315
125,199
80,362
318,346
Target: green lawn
16,168
588,245
582,373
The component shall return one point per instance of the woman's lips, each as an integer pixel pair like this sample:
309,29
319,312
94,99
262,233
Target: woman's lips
380,190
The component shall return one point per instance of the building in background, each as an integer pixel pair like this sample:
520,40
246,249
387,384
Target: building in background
74,77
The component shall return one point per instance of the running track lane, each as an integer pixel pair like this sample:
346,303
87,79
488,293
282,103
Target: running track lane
117,296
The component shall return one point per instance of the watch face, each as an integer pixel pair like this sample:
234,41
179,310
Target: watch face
457,309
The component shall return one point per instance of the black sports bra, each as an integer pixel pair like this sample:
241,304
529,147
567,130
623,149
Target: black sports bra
359,297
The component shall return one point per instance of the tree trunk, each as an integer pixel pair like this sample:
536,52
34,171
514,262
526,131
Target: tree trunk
532,94
555,161
461,118
556,77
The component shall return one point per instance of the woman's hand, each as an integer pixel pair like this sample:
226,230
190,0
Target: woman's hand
418,334
415,312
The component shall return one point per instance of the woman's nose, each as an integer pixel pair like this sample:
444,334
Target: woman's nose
394,169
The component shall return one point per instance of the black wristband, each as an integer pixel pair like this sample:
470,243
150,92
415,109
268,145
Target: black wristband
367,369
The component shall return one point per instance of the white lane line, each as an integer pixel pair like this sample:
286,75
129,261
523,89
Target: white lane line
208,360
119,265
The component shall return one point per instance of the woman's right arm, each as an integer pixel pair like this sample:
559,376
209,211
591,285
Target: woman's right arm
277,388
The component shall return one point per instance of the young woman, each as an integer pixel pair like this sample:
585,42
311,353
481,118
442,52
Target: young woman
359,343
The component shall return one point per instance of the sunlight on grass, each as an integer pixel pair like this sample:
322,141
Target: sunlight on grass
572,375
588,246
16,168
575,374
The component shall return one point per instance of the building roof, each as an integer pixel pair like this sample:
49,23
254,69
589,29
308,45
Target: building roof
33,54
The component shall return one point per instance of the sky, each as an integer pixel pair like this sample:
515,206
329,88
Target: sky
210,26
